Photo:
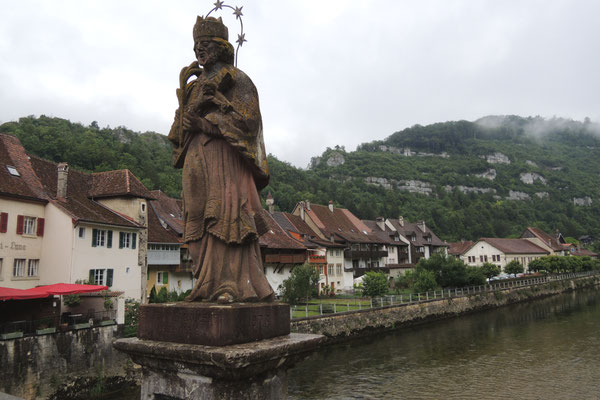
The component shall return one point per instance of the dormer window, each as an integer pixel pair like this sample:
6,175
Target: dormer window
12,170
413,238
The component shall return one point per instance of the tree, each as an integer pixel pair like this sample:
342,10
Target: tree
300,284
490,270
375,284
424,281
514,267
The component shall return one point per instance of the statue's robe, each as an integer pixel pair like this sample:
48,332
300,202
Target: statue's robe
222,174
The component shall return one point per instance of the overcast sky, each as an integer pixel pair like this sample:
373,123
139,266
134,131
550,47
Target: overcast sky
327,72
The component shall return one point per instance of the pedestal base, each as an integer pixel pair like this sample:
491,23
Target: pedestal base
213,324
256,370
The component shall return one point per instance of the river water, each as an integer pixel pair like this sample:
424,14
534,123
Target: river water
546,349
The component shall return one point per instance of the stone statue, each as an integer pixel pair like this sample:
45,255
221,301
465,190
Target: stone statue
217,140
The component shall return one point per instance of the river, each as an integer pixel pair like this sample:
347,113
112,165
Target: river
545,349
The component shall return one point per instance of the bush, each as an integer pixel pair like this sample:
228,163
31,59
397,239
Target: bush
375,284
424,281
514,267
300,285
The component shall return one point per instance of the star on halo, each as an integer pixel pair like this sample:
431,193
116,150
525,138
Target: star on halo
241,39
218,5
238,12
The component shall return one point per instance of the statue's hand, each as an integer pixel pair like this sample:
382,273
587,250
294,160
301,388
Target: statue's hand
197,124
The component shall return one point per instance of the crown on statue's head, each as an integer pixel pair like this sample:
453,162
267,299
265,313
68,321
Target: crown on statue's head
210,27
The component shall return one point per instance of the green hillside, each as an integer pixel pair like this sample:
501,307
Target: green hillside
539,169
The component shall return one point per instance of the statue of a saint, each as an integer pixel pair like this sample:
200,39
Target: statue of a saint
217,140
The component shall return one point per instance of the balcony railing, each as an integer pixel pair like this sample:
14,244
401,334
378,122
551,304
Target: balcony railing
353,254
285,258
317,259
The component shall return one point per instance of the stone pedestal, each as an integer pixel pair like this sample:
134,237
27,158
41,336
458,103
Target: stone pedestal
211,351
255,370
213,324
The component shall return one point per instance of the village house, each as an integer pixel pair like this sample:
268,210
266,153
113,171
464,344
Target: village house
326,257
397,261
280,253
502,251
62,226
556,244
169,263
363,250
423,241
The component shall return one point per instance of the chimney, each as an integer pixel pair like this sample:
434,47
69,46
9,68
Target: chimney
421,225
63,173
401,220
270,203
331,205
302,210
381,223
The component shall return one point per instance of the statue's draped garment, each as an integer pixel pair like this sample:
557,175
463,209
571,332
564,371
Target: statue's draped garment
222,174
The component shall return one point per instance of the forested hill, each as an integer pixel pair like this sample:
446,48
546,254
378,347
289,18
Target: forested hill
488,178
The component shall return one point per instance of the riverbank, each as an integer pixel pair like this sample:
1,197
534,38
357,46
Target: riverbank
359,323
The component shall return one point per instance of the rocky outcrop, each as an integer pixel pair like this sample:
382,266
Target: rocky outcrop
583,201
489,174
496,158
529,162
409,153
335,160
469,189
411,186
542,195
530,177
514,195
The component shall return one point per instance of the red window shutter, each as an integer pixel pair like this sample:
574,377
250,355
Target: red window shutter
40,226
20,222
3,222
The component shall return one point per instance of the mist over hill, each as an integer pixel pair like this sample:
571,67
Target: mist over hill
487,178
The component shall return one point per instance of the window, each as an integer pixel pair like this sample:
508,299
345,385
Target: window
337,253
330,269
485,258
162,278
101,276
428,239
143,207
19,267
128,240
421,249
413,238
320,269
101,238
32,268
81,232
338,269
331,252
28,225
480,258
3,222
12,170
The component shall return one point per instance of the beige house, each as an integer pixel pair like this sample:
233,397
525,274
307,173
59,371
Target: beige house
57,226
502,251
556,244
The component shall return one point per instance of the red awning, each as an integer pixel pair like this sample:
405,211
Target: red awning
18,294
45,291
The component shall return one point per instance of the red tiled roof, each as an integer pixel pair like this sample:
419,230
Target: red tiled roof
276,238
157,233
168,209
27,185
515,246
409,228
340,222
76,204
549,240
583,253
117,183
459,248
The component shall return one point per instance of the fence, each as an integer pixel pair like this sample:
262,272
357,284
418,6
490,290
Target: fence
347,305
51,324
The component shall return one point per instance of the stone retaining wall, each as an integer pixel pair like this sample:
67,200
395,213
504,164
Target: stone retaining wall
353,324
33,367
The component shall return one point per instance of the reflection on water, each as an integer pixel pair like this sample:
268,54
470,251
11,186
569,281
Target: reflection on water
547,349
